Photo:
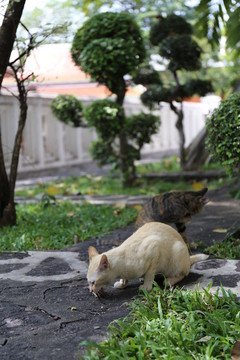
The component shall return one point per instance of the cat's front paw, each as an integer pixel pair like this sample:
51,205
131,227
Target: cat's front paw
147,286
121,284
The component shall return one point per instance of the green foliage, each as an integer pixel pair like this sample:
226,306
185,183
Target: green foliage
109,46
68,109
198,86
104,153
108,25
216,18
228,248
224,133
172,35
106,116
155,94
108,119
173,324
109,185
141,127
114,60
169,26
182,52
146,75
53,226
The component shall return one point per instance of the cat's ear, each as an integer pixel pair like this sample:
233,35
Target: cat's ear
203,191
92,252
104,264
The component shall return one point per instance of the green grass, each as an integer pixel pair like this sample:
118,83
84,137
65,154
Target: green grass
53,226
229,248
107,185
166,165
173,325
169,165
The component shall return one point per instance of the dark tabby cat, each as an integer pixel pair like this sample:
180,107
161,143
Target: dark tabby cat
173,207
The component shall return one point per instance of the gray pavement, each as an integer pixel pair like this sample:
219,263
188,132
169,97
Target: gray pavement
46,309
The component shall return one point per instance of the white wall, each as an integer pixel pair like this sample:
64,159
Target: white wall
49,143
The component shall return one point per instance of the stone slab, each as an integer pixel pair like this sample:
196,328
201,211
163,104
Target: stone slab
41,266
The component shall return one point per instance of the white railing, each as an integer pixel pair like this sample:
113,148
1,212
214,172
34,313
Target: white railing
49,143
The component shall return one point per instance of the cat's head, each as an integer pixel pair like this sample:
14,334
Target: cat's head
196,200
98,274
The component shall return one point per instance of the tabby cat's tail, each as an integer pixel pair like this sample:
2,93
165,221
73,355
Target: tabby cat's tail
198,257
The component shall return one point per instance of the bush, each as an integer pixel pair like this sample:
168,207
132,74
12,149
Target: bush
68,109
182,52
109,46
105,116
224,133
141,127
169,26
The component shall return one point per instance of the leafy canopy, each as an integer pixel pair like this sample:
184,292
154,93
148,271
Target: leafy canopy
107,118
108,46
224,133
217,18
68,109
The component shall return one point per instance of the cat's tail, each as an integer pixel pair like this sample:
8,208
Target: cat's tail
198,257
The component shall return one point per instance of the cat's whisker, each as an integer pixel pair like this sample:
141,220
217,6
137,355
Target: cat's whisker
204,201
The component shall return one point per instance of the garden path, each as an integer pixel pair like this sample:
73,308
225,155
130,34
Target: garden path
47,310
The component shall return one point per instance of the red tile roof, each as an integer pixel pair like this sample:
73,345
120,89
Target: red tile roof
56,73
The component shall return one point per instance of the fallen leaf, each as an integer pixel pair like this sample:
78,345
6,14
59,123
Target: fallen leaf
236,351
137,207
220,230
119,205
167,163
204,339
117,212
70,214
197,185
52,190
90,191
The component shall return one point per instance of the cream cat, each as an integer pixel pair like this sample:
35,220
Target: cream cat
155,248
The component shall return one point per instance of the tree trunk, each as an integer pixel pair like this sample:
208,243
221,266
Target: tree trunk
196,153
7,37
8,33
4,183
179,126
127,169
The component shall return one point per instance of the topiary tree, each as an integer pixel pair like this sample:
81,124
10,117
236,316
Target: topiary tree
108,47
223,128
173,36
106,117
68,109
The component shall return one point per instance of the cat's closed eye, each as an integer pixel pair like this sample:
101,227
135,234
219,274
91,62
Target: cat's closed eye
91,282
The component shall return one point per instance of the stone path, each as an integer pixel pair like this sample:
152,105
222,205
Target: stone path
46,309
41,266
